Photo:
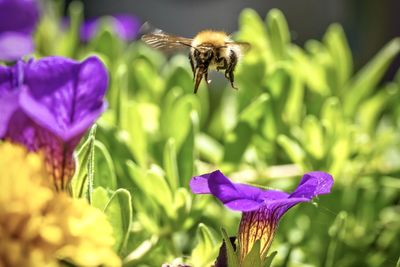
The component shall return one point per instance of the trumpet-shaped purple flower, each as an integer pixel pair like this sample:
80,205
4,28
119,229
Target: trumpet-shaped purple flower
262,209
125,26
18,20
49,104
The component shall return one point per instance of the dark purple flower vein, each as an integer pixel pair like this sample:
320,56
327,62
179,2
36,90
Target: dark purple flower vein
74,93
64,156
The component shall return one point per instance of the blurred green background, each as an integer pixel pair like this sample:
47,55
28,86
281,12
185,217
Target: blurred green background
369,24
299,108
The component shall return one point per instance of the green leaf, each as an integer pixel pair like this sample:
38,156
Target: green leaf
373,107
232,257
253,258
68,44
293,109
146,80
340,153
82,180
294,151
209,148
104,172
179,75
225,117
270,123
314,137
369,76
335,41
250,26
315,70
170,164
101,198
252,29
206,250
253,112
279,35
118,93
268,260
106,41
119,213
175,119
139,50
337,229
133,124
278,84
153,185
332,115
237,142
140,252
182,206
188,153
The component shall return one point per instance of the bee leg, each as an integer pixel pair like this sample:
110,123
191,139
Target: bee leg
191,60
206,77
231,79
231,68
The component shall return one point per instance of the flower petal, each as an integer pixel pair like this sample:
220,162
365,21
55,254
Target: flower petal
199,184
8,98
88,29
238,197
48,105
313,184
22,130
58,154
64,96
126,26
14,45
18,16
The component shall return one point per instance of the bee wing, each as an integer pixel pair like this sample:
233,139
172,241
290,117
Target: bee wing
244,46
164,41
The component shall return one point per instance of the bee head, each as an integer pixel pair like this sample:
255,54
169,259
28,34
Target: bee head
204,55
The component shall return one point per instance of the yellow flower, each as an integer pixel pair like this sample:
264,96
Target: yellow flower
39,227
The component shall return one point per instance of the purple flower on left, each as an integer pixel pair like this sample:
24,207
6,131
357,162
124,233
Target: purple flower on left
49,104
18,19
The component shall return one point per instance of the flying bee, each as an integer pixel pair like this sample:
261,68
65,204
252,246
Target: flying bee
208,50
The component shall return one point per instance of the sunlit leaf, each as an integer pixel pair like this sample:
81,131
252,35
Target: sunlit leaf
170,164
369,76
206,250
232,257
278,33
253,258
80,183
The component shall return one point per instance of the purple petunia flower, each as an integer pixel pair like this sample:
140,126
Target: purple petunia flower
18,20
49,104
262,209
125,26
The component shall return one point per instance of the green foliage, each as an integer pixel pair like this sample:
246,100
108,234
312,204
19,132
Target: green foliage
206,250
232,257
82,181
304,108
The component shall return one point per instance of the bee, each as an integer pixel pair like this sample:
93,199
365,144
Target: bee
209,49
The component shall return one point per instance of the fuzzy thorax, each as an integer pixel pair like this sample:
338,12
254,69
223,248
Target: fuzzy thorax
214,38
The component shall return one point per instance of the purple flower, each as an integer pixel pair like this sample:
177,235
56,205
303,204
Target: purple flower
262,209
18,20
49,104
125,26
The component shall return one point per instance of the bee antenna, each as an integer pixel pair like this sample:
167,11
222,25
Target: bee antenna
189,46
